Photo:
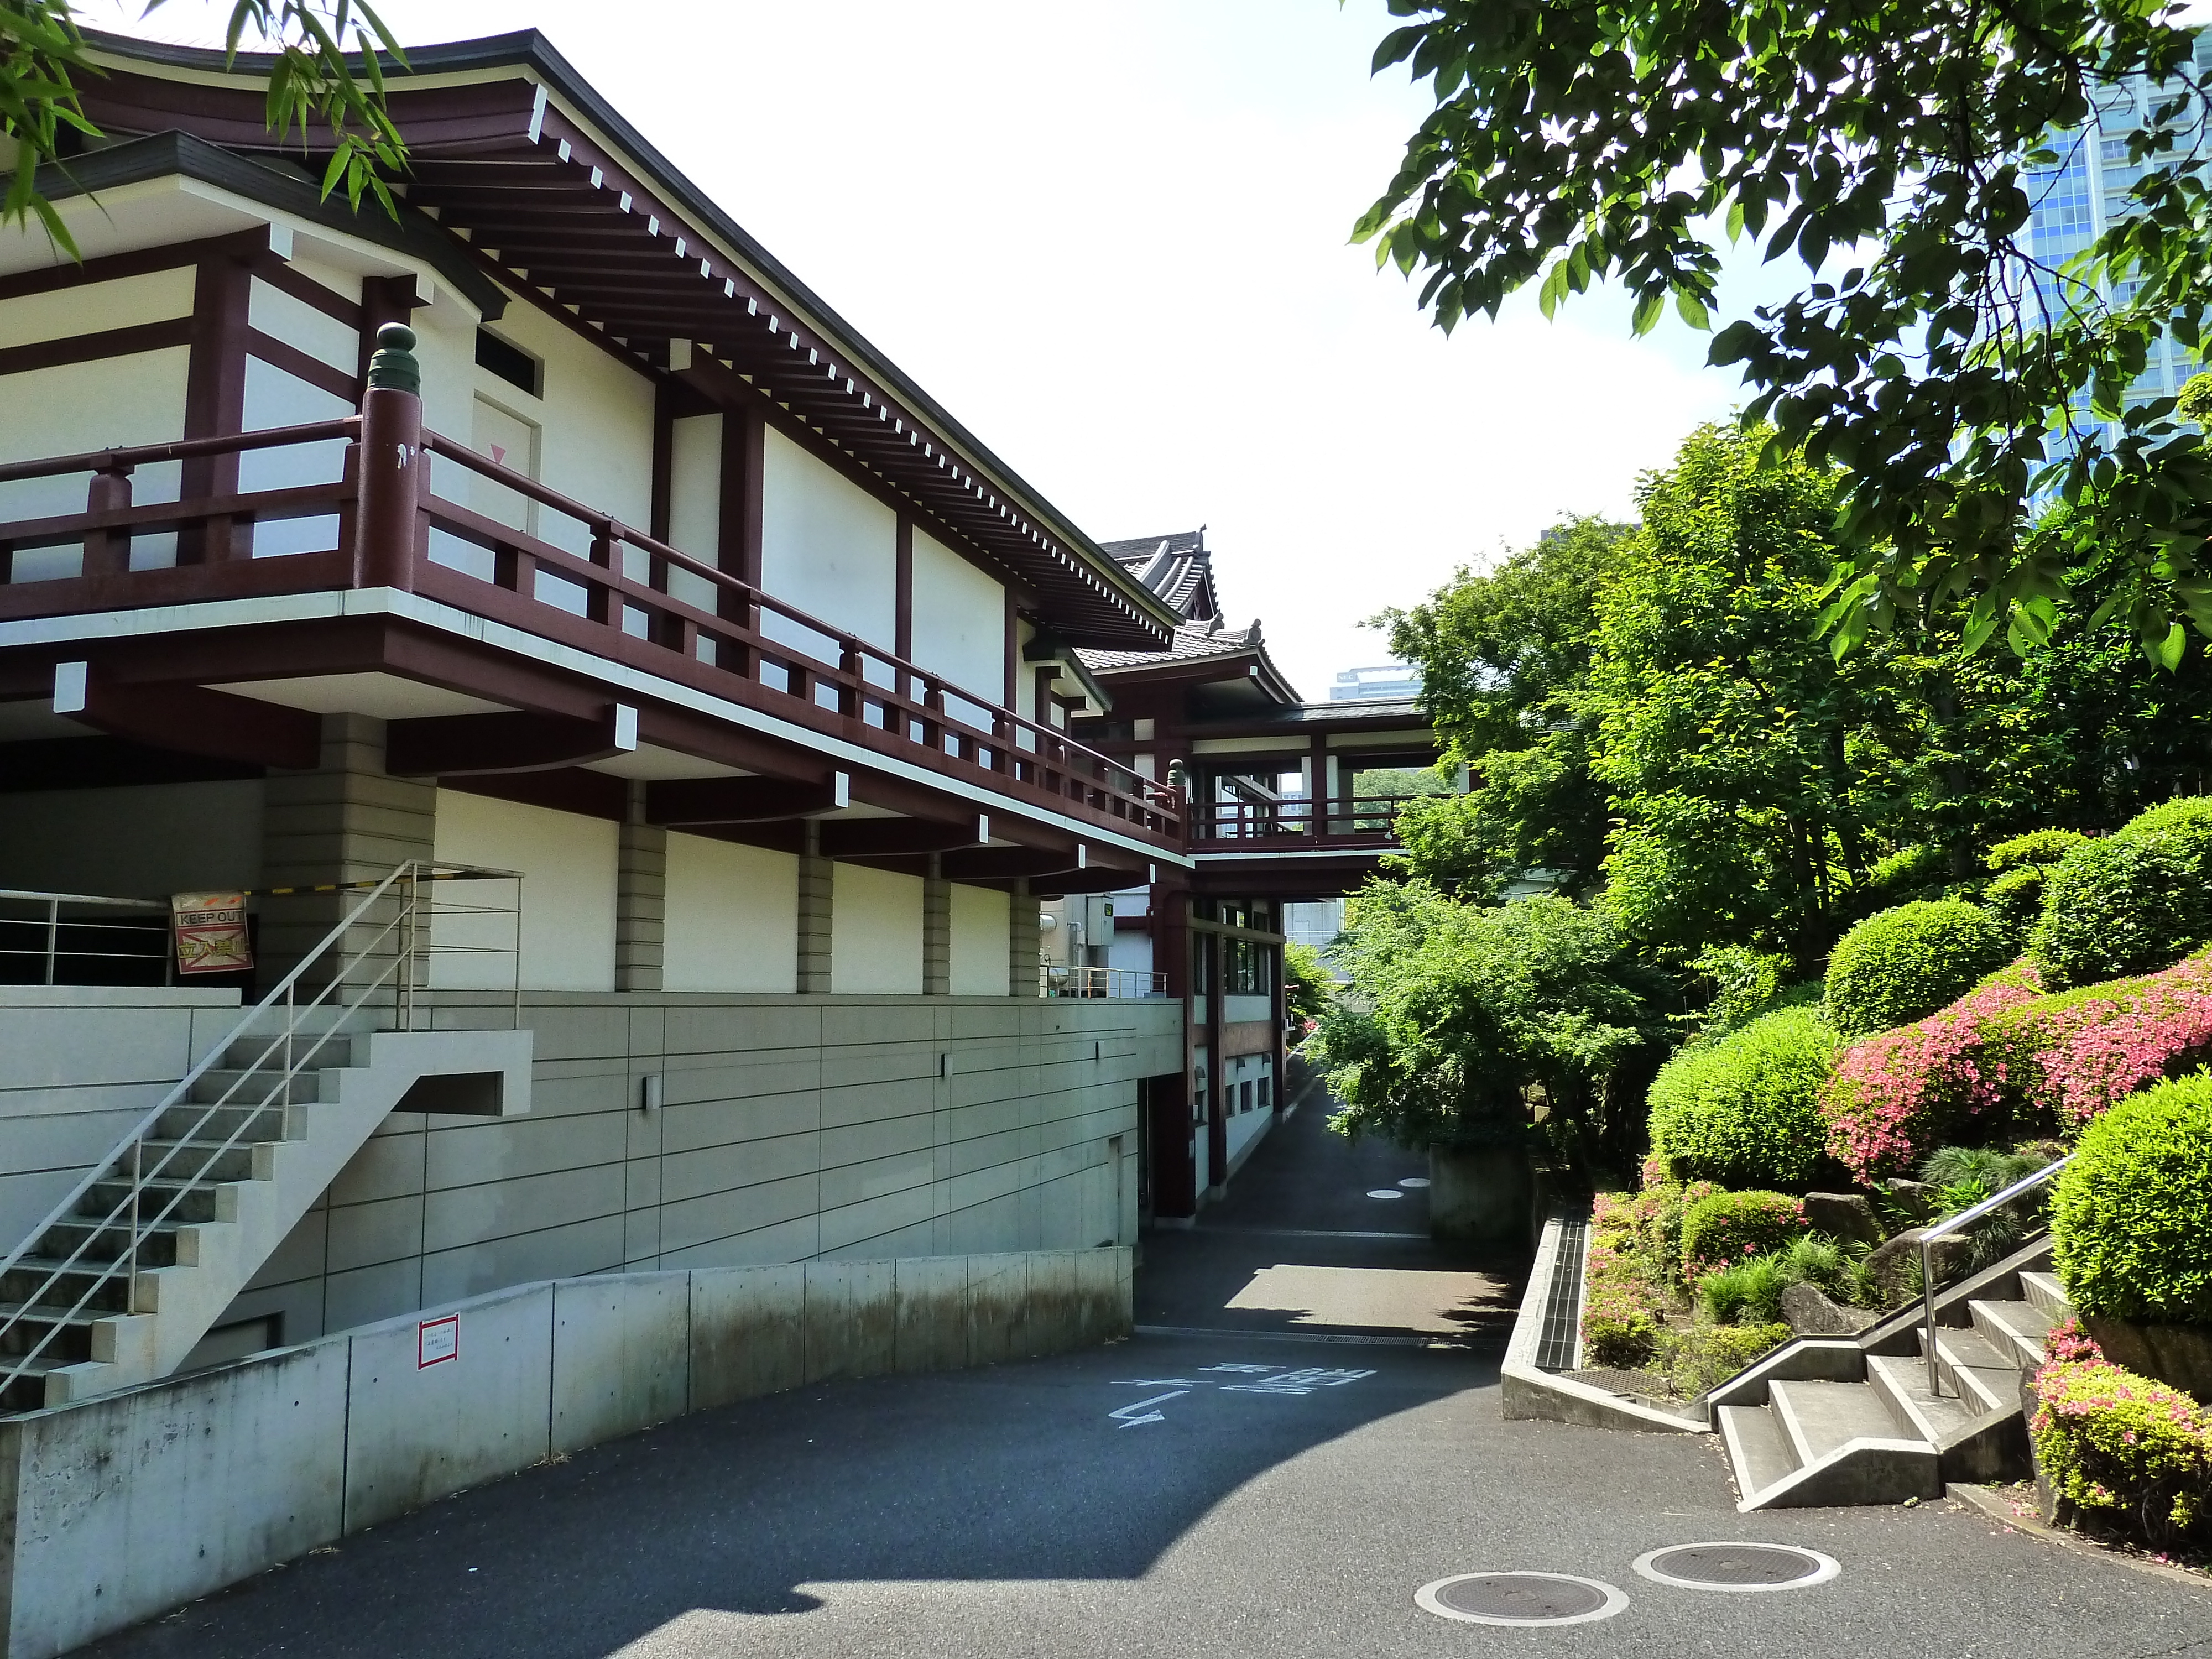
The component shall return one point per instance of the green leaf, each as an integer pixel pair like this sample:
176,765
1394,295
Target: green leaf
1648,307
1692,309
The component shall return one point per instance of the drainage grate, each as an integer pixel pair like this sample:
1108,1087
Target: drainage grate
1738,1566
1560,1340
1520,1598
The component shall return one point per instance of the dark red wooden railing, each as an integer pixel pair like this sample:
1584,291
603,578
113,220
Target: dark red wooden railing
1290,825
387,509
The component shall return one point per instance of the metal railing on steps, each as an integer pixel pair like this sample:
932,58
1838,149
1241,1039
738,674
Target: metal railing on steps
375,967
1953,1226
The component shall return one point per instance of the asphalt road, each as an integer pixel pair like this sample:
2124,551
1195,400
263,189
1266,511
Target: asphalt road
1253,1493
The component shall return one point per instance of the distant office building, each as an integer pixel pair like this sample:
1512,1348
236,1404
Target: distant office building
1390,682
2083,189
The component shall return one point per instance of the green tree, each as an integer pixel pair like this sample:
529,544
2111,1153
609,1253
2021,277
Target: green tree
1463,1017
326,73
1953,374
1505,658
1726,737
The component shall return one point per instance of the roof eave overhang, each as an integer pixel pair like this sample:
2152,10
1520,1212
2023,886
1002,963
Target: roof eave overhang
688,272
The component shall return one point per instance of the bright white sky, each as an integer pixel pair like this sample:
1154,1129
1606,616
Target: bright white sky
1112,239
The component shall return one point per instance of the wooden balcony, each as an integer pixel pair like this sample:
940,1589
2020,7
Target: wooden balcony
612,599
1294,826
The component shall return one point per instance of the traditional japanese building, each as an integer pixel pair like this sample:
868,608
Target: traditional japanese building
633,654
1291,802
612,739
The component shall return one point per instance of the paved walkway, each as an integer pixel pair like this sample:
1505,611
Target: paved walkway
1251,1494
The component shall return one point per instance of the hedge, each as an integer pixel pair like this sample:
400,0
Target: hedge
2131,1224
1724,1229
1904,964
1745,1111
2133,902
2033,850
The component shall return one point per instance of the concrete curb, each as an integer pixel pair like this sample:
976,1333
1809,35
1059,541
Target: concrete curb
1530,1395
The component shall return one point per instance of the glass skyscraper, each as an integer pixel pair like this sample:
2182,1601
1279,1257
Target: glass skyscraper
2085,188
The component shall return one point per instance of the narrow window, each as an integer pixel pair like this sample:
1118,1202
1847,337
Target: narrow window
510,362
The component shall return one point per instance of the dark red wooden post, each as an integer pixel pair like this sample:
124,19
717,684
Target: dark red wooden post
392,463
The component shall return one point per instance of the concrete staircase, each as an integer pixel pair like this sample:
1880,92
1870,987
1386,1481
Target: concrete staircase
213,1182
1822,1422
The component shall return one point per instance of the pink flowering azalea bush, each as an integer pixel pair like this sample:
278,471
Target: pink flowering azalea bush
2007,1058
1898,1095
1620,1327
2124,1455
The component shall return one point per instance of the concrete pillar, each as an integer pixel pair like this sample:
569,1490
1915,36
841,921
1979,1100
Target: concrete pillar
936,930
345,821
641,899
1022,942
817,879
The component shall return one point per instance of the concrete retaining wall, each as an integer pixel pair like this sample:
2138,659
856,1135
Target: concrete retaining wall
120,1507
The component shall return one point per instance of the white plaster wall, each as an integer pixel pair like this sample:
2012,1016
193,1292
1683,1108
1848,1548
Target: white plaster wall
982,918
298,324
1024,681
146,840
875,931
346,284
827,547
959,620
695,503
596,417
94,307
568,864
445,346
274,397
75,407
733,917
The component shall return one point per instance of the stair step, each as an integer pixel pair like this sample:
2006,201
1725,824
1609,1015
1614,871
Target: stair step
95,1242
1758,1449
2044,1291
1820,1417
1972,1369
248,1123
177,1203
1902,1384
2014,1329
51,1278
265,1087
203,1160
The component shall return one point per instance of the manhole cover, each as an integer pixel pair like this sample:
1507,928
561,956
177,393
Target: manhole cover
1520,1598
1738,1566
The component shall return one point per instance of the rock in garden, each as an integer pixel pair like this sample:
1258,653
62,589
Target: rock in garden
1892,1263
1915,1197
1842,1215
1811,1314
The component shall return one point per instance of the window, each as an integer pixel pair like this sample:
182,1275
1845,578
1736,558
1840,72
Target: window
1267,1092
1244,1098
510,362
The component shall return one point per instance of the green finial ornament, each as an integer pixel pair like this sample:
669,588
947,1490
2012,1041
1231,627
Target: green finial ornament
393,367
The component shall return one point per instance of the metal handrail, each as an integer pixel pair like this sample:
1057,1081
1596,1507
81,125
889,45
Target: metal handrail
1056,979
398,973
1937,1231
52,952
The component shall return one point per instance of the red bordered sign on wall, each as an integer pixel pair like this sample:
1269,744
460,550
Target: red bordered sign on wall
437,1341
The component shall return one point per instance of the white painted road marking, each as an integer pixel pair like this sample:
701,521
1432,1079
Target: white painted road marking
1263,1379
1130,1422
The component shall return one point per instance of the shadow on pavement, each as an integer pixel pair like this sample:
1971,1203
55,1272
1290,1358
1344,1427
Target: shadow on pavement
1016,1472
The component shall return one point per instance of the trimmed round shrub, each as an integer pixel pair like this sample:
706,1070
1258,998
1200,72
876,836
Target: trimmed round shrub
1909,868
2033,850
1725,1228
1745,1111
2015,899
2139,899
2123,1454
2131,1226
1902,964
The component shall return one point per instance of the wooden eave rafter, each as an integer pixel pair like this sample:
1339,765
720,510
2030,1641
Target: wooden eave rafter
495,157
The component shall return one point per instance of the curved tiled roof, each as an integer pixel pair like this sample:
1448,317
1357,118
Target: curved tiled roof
1175,568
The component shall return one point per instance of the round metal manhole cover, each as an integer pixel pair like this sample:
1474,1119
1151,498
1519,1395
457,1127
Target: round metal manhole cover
1520,1598
1738,1566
